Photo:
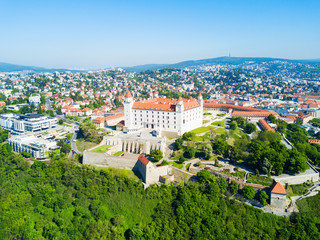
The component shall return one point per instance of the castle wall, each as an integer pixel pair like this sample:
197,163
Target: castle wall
104,160
278,200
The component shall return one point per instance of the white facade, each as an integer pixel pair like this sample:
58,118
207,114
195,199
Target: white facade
29,122
36,100
31,144
163,114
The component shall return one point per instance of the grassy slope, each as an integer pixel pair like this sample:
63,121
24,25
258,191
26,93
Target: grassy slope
101,149
310,205
82,145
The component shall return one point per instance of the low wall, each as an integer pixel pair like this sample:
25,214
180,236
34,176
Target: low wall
311,175
293,180
104,160
168,134
112,150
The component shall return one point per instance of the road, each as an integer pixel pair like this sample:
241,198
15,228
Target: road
74,148
75,128
49,107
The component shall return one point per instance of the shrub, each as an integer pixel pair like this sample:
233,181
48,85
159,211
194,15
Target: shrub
248,192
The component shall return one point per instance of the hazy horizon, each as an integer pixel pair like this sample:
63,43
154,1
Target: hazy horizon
150,63
100,34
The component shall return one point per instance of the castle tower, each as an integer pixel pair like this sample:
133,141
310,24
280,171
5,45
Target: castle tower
179,106
128,116
200,99
179,111
155,94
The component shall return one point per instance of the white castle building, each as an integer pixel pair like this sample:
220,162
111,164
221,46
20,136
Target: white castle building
166,116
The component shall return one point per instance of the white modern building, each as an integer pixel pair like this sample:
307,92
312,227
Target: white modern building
31,144
164,115
35,100
30,122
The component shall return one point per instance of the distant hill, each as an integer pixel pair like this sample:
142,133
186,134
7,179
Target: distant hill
218,60
8,67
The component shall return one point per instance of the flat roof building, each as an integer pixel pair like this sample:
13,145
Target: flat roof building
29,122
31,144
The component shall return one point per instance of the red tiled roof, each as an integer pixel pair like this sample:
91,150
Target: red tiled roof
278,188
266,125
165,104
253,114
316,141
128,94
98,120
74,110
121,123
211,104
119,115
313,97
143,159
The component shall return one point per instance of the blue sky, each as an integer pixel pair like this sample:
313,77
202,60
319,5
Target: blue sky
96,33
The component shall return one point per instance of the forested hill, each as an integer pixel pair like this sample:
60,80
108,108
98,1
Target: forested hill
218,60
61,200
8,67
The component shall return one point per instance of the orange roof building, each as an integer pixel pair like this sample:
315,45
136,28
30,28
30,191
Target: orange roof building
163,114
278,188
143,159
209,104
265,125
278,196
315,141
254,115
128,94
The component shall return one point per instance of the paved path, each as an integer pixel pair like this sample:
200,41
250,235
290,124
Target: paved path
74,148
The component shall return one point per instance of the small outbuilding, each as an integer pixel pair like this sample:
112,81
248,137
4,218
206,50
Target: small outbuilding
278,195
149,173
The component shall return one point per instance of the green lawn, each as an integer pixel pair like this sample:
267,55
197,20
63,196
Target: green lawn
201,130
299,189
201,138
102,148
218,123
259,180
220,131
177,165
310,205
237,133
188,166
82,145
117,154
177,154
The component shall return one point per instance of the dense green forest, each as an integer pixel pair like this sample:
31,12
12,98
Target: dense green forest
61,199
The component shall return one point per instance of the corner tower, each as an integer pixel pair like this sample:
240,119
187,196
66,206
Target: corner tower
128,104
179,116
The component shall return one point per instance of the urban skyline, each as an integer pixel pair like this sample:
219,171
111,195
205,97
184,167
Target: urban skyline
103,34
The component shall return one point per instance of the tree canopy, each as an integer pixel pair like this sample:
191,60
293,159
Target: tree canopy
64,200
